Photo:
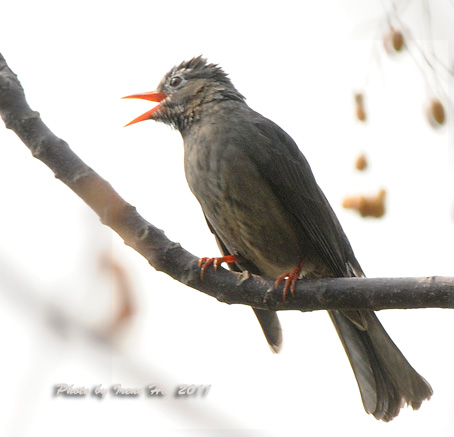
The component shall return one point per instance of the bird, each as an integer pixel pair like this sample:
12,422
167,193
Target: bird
269,217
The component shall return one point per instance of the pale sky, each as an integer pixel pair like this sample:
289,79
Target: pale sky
297,64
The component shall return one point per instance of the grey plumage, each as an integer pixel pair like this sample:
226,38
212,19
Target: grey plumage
263,205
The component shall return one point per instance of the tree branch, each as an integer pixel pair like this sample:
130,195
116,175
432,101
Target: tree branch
169,257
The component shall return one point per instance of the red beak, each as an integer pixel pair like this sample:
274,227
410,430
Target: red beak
153,96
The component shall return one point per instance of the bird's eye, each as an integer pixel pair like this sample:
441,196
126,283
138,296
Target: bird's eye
175,81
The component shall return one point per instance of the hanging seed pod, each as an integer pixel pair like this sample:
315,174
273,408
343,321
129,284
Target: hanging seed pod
393,41
359,106
367,206
397,40
435,113
361,162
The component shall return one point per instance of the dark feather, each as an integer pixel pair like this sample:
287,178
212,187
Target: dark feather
268,320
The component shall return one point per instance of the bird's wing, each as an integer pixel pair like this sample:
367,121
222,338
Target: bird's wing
287,171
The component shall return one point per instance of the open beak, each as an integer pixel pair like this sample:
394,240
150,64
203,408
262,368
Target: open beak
153,96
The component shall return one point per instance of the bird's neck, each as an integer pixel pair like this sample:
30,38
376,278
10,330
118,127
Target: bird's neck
203,109
202,103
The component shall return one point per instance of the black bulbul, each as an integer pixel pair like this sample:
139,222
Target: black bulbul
270,217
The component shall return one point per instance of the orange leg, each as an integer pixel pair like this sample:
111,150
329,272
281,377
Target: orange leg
204,263
290,282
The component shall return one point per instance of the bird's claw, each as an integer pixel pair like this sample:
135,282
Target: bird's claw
205,262
290,281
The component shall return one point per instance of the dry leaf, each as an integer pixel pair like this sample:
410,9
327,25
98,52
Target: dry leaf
367,206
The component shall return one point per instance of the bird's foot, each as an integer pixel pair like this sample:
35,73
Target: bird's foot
204,263
290,280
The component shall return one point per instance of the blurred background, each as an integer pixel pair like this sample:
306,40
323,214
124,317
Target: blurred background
347,80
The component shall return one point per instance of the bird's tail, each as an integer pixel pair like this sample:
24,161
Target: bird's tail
271,328
385,378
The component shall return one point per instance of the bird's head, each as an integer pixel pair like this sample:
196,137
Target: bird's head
184,90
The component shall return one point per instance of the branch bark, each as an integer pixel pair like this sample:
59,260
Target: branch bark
169,257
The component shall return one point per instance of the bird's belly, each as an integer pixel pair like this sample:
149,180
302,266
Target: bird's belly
248,217
256,231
